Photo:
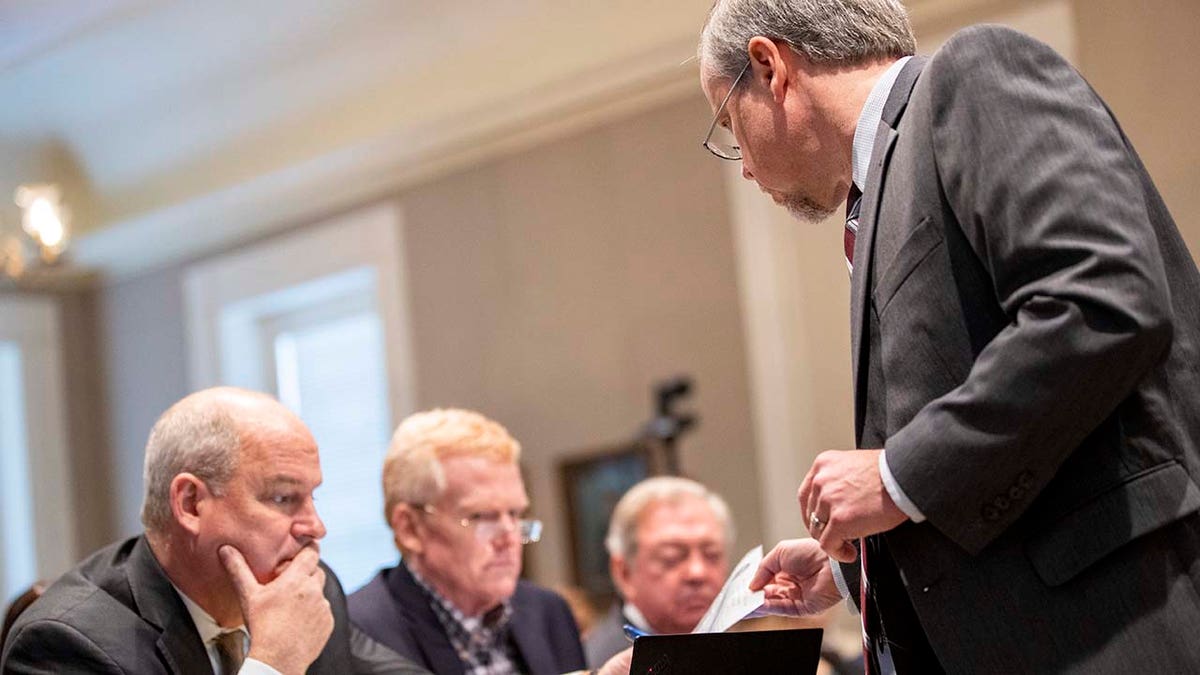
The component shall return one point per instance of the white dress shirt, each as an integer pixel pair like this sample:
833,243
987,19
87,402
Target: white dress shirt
209,630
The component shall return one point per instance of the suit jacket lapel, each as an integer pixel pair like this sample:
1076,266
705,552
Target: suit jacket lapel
430,637
860,282
157,602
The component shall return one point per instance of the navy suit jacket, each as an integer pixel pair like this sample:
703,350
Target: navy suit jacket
394,610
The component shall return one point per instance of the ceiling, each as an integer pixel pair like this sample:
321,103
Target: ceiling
178,128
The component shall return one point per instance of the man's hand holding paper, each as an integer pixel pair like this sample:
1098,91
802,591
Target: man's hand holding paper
796,579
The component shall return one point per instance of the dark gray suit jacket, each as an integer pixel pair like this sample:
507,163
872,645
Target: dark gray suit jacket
1025,325
118,613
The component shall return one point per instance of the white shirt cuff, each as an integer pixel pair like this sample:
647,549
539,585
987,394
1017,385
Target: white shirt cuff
893,488
256,667
843,588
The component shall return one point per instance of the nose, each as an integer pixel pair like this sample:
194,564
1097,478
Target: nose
507,529
746,172
696,566
308,526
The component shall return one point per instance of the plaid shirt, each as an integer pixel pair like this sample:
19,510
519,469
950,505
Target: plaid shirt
482,642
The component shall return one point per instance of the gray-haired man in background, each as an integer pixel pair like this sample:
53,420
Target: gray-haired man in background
668,543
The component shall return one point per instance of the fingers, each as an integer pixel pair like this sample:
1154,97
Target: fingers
810,496
239,572
845,553
305,563
777,607
797,557
833,541
804,494
836,547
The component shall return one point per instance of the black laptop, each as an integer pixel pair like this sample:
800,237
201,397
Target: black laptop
769,651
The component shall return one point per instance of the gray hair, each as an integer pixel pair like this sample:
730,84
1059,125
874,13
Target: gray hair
197,435
622,527
825,31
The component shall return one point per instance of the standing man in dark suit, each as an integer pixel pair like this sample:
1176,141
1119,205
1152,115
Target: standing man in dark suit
227,578
457,507
1025,324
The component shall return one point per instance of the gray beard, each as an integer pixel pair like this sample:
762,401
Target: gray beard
806,210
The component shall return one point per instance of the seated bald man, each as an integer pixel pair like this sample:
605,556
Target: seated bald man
226,578
456,505
668,542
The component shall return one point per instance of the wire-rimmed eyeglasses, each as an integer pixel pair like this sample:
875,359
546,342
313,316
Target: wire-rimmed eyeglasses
487,525
724,145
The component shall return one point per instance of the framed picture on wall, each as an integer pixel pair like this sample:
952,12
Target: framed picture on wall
593,482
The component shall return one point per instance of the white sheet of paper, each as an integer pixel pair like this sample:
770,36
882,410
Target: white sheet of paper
735,601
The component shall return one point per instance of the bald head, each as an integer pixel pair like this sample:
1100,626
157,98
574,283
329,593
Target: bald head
204,434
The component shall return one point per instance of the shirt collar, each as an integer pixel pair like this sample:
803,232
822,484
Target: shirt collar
471,623
207,626
869,119
634,616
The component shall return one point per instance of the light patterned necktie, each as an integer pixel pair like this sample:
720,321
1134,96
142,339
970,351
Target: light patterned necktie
231,651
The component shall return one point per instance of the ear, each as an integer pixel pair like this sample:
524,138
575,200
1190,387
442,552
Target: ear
403,520
619,570
188,495
770,66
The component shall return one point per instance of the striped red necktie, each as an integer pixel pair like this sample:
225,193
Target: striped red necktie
866,608
853,203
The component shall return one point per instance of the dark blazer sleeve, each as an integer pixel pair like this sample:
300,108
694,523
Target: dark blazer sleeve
50,646
1047,194
349,650
373,658
377,614
568,644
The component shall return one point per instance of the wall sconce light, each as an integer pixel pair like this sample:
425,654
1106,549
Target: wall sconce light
46,226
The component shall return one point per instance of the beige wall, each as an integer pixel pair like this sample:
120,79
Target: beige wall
92,483
551,289
1143,57
144,366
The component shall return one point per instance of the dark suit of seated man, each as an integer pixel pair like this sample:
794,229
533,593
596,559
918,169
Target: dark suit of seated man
227,577
456,503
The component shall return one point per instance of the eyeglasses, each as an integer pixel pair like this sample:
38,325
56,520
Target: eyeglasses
724,145
488,525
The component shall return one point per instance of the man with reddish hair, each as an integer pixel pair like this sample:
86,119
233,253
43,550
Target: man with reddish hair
456,504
